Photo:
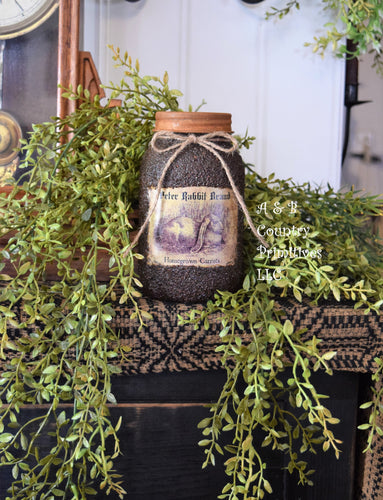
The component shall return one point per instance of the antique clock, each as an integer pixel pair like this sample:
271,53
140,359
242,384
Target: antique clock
39,49
20,16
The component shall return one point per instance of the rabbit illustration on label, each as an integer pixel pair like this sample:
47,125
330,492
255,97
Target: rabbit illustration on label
193,226
184,234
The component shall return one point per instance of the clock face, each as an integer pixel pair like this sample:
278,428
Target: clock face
20,16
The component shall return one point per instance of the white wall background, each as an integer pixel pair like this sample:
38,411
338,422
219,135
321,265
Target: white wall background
224,51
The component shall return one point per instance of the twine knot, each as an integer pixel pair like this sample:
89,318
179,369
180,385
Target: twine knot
216,143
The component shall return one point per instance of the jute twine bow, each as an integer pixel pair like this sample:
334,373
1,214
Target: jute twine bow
207,141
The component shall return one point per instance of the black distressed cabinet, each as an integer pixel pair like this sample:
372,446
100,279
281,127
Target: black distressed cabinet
161,459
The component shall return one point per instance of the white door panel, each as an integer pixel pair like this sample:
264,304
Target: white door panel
225,52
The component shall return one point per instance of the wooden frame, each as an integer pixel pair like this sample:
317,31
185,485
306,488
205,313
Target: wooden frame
68,53
75,67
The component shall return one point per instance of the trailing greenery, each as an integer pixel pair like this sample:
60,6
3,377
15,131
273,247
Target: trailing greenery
269,390
76,205
72,211
360,21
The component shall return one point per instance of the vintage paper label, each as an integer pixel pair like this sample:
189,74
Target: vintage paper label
193,226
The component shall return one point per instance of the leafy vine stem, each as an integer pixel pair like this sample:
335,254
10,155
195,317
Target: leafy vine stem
278,363
359,21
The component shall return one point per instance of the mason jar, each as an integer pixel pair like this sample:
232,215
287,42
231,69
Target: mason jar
190,181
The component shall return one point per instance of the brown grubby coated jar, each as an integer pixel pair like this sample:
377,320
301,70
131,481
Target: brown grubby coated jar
192,243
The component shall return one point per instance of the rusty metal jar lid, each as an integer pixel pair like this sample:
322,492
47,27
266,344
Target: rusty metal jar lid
193,122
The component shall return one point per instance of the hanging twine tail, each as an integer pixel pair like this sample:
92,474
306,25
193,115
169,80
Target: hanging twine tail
178,147
207,142
214,148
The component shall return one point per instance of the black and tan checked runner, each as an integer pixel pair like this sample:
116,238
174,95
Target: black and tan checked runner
164,345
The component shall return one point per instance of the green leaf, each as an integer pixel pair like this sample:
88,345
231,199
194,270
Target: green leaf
204,423
288,328
297,294
6,437
298,400
326,269
246,283
336,293
61,418
64,254
111,398
86,215
247,443
58,493
71,438
204,442
15,471
24,268
273,334
50,369
363,427
24,441
364,406
329,355
267,486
